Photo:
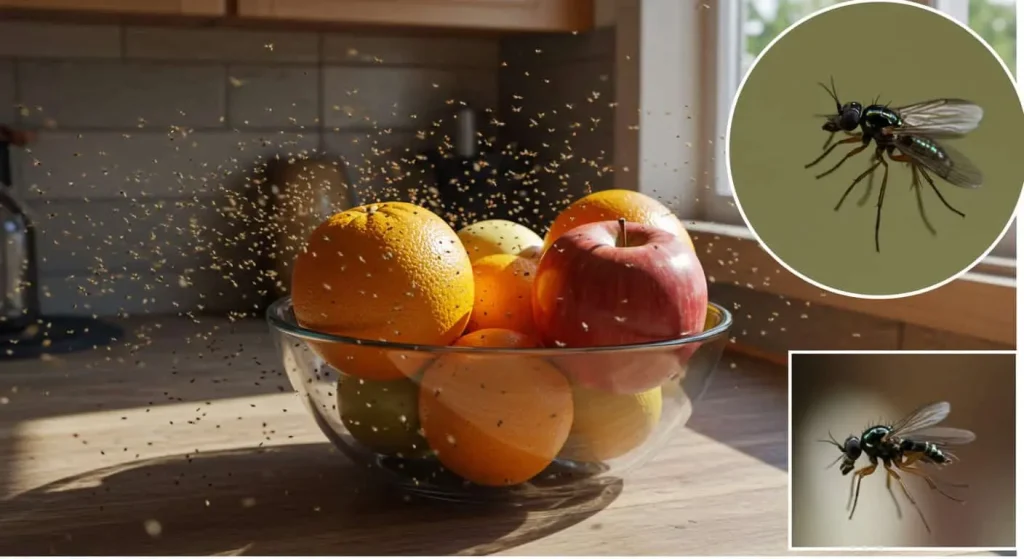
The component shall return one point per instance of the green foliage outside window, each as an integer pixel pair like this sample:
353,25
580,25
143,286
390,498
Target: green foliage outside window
994,20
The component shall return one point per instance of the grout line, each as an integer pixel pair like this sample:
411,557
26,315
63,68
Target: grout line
125,269
123,40
17,160
321,94
163,130
249,62
166,203
226,82
53,201
538,65
16,75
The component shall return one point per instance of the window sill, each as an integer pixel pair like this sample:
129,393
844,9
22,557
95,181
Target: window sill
980,304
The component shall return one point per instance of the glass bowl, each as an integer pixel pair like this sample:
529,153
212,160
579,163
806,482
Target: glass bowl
497,424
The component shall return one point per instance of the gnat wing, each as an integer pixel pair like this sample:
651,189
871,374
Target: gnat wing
919,419
943,436
946,162
940,118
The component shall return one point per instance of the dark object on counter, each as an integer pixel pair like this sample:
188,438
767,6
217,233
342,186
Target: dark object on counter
19,277
54,335
476,179
24,331
298,194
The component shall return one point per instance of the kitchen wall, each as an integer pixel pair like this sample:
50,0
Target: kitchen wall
152,140
558,97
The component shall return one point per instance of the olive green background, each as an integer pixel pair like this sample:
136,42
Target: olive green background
905,55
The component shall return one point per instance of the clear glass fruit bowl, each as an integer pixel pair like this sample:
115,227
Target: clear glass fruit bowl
495,424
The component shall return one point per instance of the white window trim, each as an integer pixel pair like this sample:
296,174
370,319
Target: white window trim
978,305
729,51
975,305
669,139
728,44
956,9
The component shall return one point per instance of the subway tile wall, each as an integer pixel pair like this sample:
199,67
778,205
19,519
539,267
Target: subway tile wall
558,98
150,136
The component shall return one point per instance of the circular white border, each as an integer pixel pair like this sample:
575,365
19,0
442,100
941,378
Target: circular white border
728,150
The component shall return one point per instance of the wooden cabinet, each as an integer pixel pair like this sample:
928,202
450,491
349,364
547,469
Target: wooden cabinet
486,15
497,15
149,7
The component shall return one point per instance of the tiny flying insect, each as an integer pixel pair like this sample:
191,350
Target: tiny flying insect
907,134
904,446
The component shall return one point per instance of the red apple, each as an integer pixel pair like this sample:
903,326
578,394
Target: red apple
616,283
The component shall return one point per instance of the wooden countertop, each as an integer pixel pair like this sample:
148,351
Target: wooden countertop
190,441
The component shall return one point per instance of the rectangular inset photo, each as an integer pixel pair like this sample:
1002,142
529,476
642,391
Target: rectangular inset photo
902,450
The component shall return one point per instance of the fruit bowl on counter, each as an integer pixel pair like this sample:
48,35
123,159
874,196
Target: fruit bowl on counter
474,423
491,364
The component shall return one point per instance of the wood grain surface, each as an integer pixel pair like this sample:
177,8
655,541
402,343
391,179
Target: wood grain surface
188,440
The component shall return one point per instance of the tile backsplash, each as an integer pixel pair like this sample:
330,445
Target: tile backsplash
148,134
149,137
562,88
84,94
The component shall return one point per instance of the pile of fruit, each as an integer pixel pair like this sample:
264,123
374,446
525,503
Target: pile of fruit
615,268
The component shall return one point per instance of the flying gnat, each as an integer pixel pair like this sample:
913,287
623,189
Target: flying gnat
908,446
909,134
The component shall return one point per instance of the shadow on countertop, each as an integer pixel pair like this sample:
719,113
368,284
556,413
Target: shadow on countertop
745,407
292,500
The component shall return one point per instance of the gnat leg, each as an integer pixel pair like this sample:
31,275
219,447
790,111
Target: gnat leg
888,487
859,178
910,498
931,482
939,194
881,199
851,140
860,475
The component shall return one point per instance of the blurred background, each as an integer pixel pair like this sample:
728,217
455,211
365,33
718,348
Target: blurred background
180,151
846,393
761,21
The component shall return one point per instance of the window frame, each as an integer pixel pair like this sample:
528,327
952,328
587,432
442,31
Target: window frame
729,18
720,206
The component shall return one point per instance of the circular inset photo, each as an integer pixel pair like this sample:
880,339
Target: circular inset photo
874,149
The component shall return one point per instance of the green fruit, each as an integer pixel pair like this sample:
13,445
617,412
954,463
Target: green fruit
383,415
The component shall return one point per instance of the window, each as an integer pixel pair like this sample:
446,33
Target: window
746,27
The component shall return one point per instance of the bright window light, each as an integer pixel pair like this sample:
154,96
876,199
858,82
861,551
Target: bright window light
745,27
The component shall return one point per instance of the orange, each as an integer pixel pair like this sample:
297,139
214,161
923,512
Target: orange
503,288
607,425
614,204
391,271
497,337
500,236
495,420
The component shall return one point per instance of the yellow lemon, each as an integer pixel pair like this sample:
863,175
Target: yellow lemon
607,425
499,236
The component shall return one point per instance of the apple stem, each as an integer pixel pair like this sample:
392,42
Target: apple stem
623,242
